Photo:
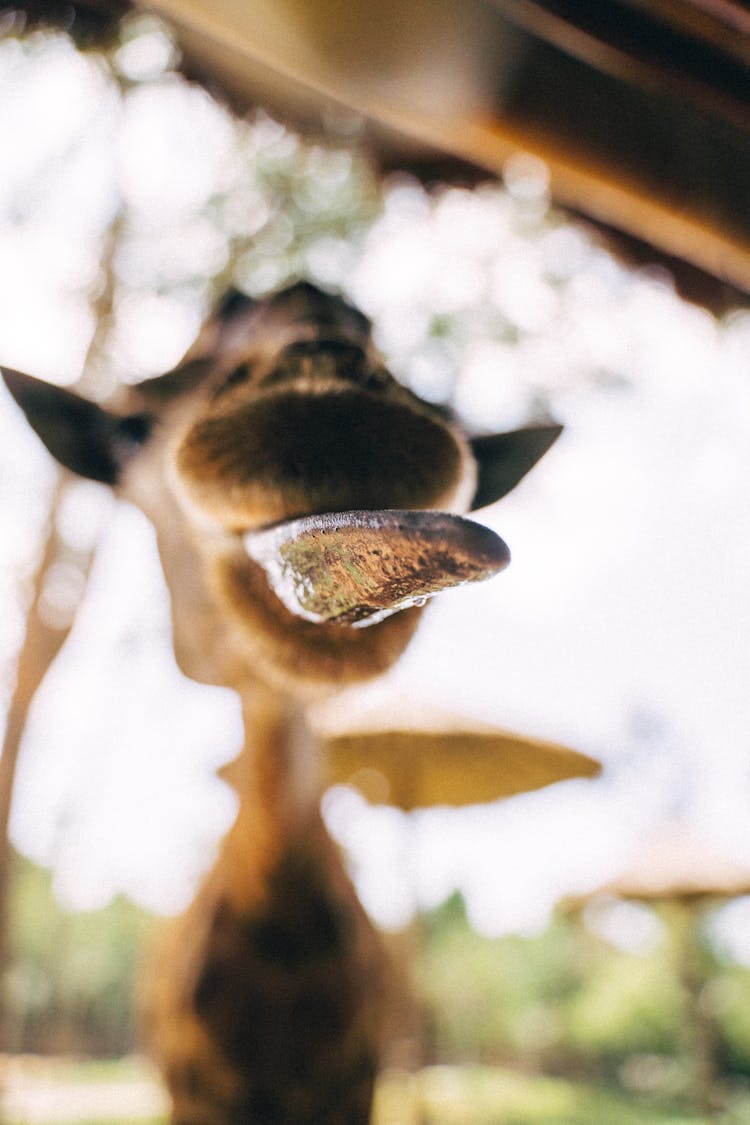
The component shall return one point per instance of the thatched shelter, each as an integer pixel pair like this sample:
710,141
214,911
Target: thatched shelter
676,869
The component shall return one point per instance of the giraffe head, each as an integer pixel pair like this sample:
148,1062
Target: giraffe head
270,463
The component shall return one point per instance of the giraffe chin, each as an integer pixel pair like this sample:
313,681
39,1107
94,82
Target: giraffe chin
307,658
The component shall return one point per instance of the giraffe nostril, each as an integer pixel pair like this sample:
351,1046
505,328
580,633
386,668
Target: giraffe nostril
243,373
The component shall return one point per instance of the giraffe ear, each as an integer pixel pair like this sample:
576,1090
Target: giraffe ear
82,436
504,459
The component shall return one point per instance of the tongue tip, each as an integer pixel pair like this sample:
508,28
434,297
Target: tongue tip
357,567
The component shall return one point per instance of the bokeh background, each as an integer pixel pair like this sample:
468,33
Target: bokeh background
129,201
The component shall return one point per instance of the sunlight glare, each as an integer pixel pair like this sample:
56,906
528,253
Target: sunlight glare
630,927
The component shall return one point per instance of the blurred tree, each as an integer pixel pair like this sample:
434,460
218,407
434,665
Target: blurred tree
568,1001
277,207
70,986
501,998
51,613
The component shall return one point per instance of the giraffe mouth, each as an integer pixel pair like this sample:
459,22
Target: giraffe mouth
356,568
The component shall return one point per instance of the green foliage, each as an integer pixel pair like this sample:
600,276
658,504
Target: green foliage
568,1001
628,1003
726,998
71,976
496,997
317,202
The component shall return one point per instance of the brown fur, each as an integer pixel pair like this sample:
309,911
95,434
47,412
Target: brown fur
320,655
289,453
312,423
265,1001
269,1009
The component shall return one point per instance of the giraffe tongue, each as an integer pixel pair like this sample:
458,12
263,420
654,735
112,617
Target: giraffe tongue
356,568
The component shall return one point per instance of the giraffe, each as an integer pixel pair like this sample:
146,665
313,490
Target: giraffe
305,504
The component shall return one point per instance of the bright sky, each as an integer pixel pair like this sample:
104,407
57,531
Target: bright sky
622,627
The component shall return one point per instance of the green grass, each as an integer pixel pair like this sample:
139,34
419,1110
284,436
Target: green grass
445,1095
488,1096
67,1090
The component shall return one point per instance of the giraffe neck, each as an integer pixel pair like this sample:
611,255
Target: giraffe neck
268,999
276,777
